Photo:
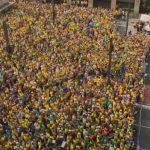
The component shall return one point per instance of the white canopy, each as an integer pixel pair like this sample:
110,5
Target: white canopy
147,28
145,18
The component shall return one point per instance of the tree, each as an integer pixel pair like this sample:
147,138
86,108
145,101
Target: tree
145,6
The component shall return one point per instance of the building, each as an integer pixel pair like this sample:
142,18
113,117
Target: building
113,4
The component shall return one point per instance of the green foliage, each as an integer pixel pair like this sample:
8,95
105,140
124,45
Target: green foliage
145,6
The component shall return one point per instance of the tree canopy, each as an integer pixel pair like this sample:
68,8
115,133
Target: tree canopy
145,6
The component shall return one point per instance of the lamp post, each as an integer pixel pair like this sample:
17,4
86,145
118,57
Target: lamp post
6,37
128,14
110,58
53,11
69,2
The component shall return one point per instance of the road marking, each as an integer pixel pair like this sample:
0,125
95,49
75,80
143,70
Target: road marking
144,106
142,126
125,26
139,148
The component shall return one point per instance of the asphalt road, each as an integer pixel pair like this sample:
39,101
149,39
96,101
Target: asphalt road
147,71
148,68
122,25
147,79
142,126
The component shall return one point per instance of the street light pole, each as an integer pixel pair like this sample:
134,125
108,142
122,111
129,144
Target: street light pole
128,14
53,11
6,37
69,2
110,58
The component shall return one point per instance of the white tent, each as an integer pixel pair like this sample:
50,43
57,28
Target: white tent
147,28
145,18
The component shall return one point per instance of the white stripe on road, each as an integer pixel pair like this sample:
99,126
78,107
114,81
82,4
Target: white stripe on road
125,26
144,106
142,126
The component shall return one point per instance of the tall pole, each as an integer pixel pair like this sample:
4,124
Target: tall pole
110,58
53,11
69,2
6,32
6,36
128,14
90,3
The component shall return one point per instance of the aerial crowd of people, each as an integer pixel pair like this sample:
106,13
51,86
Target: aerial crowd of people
54,89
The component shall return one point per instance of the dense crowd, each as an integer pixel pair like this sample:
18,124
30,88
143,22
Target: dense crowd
54,92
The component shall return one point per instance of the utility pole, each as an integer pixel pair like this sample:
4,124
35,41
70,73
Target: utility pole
128,14
6,37
110,58
69,2
53,11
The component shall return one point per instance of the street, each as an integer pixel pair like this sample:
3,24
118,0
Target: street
147,72
122,25
142,126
